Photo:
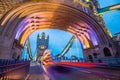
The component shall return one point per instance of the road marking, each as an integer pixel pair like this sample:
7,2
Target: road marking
27,77
84,71
46,77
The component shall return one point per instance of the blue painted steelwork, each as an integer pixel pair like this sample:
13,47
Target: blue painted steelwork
109,8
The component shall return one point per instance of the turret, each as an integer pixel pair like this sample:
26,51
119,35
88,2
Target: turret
42,44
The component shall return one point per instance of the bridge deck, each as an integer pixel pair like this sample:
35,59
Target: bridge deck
35,72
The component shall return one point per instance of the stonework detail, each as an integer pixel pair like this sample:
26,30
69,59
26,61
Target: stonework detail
69,13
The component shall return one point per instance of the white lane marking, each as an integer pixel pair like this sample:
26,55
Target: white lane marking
27,77
84,71
46,77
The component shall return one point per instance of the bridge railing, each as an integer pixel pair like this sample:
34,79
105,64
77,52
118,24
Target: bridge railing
110,61
13,69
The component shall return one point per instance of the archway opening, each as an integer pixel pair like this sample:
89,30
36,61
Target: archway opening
58,39
107,52
90,58
95,55
28,19
18,57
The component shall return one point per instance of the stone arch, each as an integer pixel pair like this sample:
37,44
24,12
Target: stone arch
18,57
90,57
107,52
14,55
95,55
73,20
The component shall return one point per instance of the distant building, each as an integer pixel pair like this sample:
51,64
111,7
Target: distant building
42,45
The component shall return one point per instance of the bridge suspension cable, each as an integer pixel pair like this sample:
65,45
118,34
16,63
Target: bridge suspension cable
28,49
66,49
109,8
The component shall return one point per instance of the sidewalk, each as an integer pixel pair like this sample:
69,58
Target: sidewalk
36,72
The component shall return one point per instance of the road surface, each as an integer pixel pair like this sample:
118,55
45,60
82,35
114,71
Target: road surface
63,72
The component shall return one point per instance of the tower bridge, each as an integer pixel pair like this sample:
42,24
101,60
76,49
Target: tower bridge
78,23
20,18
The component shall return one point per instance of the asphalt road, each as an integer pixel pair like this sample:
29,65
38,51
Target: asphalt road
63,72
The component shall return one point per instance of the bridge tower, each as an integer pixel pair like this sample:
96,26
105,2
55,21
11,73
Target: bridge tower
42,45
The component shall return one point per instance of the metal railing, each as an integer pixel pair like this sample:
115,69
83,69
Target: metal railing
13,70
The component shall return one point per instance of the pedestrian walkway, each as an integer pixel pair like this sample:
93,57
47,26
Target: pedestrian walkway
36,72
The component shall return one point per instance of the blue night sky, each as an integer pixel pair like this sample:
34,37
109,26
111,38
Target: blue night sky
59,39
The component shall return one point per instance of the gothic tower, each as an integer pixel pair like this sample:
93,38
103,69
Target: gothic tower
42,44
